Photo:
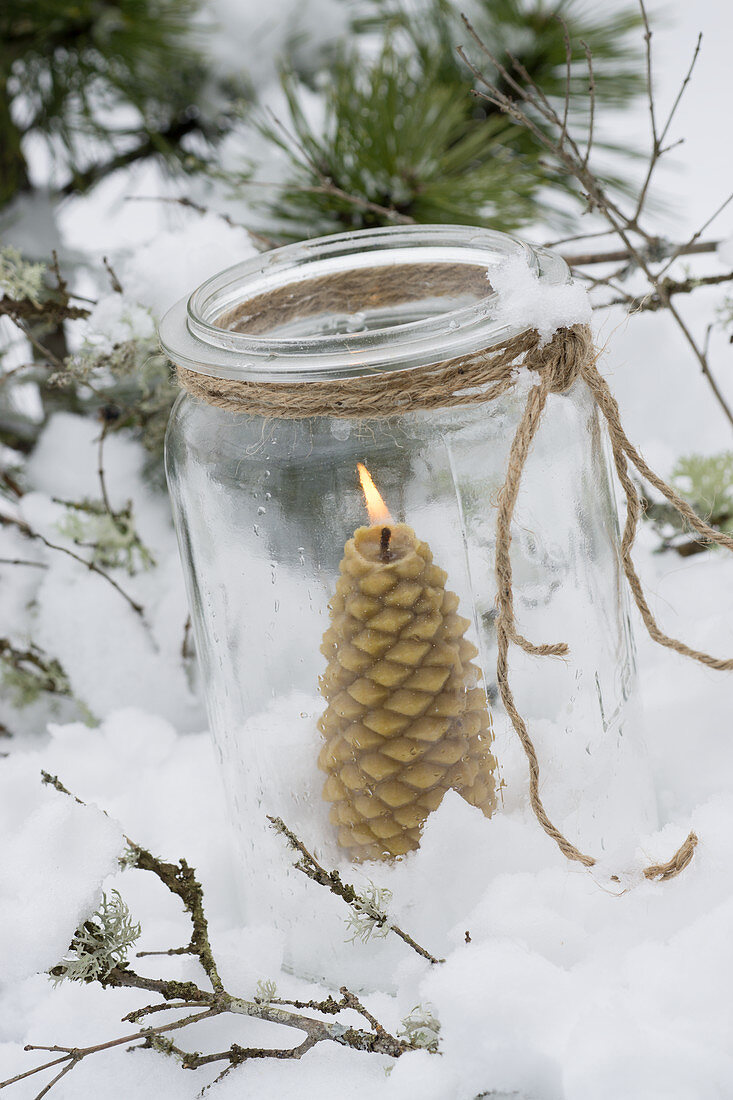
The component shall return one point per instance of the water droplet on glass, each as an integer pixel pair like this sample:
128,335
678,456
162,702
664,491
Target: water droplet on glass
355,322
341,429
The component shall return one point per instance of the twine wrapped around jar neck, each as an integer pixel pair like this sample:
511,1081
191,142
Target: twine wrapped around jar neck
465,380
474,379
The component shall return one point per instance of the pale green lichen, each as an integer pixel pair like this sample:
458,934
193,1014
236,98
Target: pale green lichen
369,914
421,1028
100,944
707,482
266,991
20,279
111,536
28,673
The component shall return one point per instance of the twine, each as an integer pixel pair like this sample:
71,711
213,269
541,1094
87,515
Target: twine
463,381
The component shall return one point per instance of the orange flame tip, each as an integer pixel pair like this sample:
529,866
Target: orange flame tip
377,509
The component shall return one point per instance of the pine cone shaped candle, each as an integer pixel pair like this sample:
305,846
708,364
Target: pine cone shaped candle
406,719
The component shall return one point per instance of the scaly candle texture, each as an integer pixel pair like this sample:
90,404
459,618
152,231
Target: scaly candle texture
407,718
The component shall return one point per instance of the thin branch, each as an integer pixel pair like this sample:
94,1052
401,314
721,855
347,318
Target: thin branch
74,1055
702,360
681,92
30,336
310,867
328,187
568,63
562,146
592,98
188,950
100,468
149,146
583,259
180,880
188,204
578,237
656,300
649,79
54,1080
696,236
24,561
25,529
114,281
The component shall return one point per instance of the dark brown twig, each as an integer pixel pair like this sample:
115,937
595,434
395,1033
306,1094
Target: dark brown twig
25,529
313,870
523,105
114,281
180,880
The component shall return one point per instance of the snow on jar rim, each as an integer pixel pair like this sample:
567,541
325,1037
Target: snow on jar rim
278,316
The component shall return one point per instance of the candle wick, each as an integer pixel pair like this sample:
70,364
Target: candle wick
385,553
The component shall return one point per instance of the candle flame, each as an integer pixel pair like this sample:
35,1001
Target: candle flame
377,509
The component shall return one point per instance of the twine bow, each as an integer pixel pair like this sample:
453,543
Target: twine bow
469,380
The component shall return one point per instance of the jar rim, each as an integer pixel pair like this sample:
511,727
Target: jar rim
192,336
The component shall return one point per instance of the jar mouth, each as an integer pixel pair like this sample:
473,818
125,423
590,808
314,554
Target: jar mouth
350,304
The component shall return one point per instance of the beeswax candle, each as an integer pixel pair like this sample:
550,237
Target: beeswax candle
406,718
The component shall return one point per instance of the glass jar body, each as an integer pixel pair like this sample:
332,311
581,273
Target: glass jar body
264,509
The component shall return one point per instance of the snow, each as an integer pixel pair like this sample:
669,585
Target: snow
54,855
115,319
566,991
571,988
173,264
252,41
525,301
112,656
725,251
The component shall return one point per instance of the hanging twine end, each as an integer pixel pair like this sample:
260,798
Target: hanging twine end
661,872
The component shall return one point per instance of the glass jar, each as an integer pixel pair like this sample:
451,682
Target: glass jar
332,704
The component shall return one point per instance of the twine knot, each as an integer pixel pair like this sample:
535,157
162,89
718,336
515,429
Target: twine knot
562,358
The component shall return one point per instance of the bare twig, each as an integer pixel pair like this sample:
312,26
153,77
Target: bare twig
180,879
25,529
584,259
73,1055
114,281
100,467
592,101
656,300
189,204
524,105
24,561
310,867
696,236
46,672
568,64
681,92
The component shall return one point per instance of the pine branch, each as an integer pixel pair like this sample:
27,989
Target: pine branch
152,145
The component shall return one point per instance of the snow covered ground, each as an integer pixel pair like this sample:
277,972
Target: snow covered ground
566,991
